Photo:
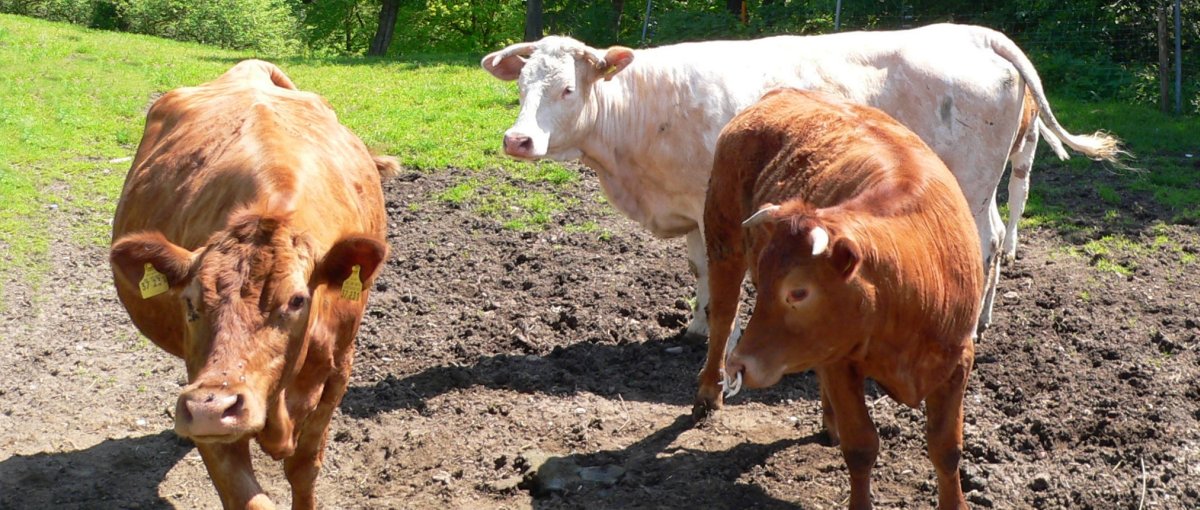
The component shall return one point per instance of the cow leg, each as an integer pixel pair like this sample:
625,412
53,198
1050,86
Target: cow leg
859,440
229,467
1018,189
303,466
725,276
828,418
943,432
990,229
698,263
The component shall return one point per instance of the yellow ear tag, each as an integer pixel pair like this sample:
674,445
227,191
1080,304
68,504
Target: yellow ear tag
610,71
153,282
352,287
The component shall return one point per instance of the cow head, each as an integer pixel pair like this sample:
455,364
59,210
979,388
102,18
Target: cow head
555,77
250,300
809,297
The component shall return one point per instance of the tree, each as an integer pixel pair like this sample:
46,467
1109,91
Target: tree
533,20
382,40
387,27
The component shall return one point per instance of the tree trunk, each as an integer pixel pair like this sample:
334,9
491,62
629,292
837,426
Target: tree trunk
618,10
533,20
1164,57
386,28
734,7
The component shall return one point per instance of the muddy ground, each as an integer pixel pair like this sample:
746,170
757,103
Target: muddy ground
487,351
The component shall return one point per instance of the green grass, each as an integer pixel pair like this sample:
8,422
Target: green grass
73,100
1157,143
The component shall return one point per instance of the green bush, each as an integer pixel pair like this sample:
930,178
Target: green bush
71,11
265,26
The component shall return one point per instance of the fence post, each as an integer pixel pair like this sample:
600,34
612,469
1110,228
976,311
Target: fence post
837,16
645,23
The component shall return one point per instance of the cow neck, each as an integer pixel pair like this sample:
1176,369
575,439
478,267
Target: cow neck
619,121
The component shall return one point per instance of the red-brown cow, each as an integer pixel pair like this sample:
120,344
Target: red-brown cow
248,233
868,267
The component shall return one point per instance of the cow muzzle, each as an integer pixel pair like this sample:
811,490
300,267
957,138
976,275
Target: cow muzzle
747,372
519,146
217,413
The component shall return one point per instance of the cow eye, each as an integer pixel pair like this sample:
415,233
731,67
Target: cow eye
568,91
296,302
192,315
796,296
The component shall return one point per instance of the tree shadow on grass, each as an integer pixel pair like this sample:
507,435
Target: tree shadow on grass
117,473
406,63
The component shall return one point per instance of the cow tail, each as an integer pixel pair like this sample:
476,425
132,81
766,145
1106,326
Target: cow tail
1099,145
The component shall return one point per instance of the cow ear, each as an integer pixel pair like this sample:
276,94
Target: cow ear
845,257
338,264
136,257
616,59
507,63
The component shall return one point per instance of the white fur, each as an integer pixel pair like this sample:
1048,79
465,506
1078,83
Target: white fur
650,131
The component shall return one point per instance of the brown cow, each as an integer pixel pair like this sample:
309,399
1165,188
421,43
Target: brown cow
248,233
868,267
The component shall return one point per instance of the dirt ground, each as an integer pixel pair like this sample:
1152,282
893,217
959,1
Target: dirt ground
488,353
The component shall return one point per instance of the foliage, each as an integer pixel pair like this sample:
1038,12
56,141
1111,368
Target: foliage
265,26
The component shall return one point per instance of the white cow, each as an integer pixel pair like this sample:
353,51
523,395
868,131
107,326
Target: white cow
647,120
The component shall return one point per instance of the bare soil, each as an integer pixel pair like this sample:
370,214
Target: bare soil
507,369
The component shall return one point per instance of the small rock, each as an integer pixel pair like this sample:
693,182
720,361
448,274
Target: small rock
1012,294
580,410
673,350
141,422
980,499
442,476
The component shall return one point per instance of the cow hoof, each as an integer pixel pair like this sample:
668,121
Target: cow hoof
705,408
695,336
829,438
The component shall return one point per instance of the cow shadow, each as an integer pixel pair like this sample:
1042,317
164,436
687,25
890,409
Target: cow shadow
641,372
652,471
117,473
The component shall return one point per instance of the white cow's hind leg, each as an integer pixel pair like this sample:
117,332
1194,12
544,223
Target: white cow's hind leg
1018,188
698,261
990,230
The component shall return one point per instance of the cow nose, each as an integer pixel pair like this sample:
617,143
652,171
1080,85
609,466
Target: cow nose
518,145
209,412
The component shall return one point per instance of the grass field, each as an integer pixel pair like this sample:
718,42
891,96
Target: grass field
72,105
72,102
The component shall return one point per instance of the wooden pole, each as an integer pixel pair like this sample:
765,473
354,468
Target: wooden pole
1164,60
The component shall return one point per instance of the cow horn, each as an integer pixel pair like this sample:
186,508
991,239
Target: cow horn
820,240
523,49
762,215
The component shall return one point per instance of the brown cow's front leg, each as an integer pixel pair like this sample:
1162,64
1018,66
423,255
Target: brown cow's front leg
725,284
860,442
828,418
943,431
229,468
303,467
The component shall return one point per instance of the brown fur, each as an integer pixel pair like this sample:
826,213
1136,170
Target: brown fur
254,202
894,297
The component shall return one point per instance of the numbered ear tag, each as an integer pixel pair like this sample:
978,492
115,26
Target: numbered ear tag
352,287
153,282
